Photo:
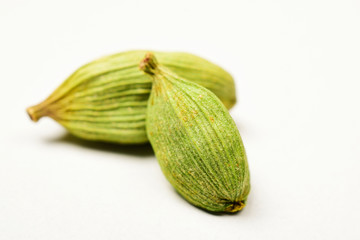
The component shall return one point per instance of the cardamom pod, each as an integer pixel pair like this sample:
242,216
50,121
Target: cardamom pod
196,142
106,99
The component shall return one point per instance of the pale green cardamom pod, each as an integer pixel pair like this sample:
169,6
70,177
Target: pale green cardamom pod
106,99
196,142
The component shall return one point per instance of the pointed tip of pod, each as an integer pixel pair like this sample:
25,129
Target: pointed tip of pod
37,111
235,207
149,64
32,114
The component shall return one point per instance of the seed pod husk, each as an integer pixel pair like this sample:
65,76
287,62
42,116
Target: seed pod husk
106,99
196,142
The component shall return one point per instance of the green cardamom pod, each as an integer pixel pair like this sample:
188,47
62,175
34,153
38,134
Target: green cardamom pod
196,142
106,99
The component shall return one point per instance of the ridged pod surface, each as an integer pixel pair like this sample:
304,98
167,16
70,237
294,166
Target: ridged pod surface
196,142
106,99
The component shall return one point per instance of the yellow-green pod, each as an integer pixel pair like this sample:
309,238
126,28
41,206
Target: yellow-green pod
196,142
106,99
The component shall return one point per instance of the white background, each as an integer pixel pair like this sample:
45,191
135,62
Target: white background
296,65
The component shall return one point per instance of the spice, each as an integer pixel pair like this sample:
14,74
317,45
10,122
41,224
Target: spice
196,142
106,99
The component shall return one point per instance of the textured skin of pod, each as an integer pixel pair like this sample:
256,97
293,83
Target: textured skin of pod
106,100
196,142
